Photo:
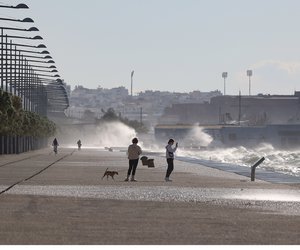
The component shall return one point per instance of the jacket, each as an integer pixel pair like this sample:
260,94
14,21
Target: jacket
170,151
134,152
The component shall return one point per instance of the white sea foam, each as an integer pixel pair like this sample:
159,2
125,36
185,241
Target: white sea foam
282,161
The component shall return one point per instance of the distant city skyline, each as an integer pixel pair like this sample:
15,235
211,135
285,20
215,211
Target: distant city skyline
172,45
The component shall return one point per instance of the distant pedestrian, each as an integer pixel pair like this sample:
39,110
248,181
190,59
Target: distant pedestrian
79,144
55,145
170,150
134,152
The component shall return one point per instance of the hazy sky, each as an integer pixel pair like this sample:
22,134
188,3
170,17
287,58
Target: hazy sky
173,45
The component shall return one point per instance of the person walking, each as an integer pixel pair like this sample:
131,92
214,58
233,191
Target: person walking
79,144
170,150
134,152
55,145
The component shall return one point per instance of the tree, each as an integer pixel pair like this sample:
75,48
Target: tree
15,121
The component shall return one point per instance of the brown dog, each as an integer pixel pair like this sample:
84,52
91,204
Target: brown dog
110,173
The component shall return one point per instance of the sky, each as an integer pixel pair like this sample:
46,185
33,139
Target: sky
172,45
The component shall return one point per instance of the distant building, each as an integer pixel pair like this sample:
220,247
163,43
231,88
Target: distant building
147,106
248,110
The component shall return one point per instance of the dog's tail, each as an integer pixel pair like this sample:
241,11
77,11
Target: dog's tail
104,173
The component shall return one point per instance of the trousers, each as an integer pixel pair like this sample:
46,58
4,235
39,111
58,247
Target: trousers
132,166
170,169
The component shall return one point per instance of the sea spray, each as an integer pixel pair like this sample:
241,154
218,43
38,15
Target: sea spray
114,134
198,138
283,161
106,134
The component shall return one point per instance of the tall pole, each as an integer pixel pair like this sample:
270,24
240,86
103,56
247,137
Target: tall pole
224,75
15,72
2,55
132,73
249,85
6,63
240,107
11,67
249,74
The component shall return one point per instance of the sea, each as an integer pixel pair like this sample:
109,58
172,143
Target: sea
276,160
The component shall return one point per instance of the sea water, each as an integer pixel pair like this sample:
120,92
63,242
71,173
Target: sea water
277,160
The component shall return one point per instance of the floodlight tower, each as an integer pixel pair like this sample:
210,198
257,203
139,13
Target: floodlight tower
249,74
224,75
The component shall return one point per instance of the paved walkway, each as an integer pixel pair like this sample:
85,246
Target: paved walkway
61,199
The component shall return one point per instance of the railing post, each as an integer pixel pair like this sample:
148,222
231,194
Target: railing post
253,168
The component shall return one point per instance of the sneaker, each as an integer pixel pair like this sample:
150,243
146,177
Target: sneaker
167,179
133,180
126,179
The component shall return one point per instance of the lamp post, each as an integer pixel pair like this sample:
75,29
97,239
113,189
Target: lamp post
25,81
8,63
34,83
132,74
18,29
249,74
2,43
19,6
23,37
224,75
25,20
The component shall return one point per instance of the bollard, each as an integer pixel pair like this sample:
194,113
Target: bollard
254,167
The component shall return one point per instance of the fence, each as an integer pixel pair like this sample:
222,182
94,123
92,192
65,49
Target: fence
21,144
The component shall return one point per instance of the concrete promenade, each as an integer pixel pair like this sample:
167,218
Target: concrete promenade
61,199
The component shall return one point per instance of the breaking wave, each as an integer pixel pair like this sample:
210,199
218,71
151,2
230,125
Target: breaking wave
283,161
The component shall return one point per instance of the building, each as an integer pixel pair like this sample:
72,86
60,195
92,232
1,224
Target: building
247,110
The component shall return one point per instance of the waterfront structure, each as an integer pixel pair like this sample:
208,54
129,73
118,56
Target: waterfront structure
235,121
244,110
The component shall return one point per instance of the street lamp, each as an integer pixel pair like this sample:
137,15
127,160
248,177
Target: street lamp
249,74
40,46
18,29
38,57
25,20
44,67
44,52
19,6
6,36
23,77
23,37
224,75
